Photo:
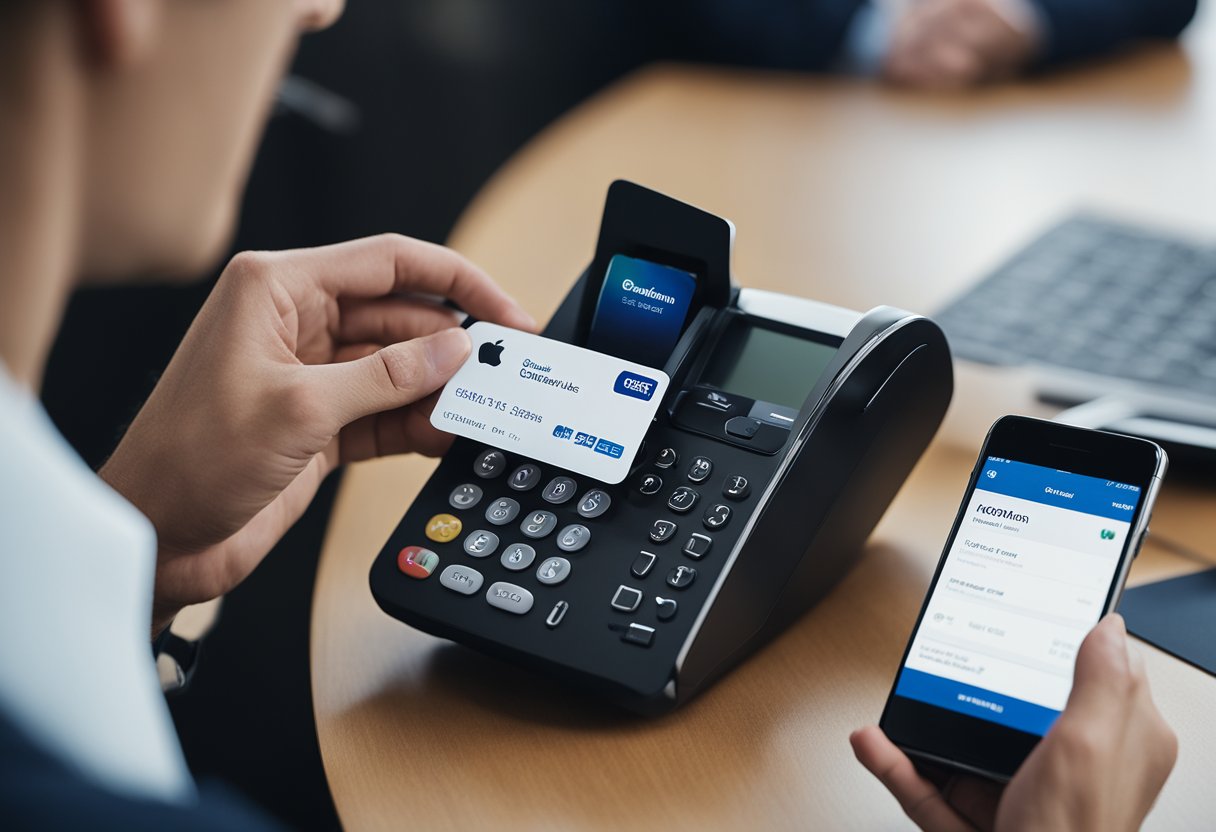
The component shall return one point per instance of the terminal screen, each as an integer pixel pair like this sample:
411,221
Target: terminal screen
1026,578
641,311
767,365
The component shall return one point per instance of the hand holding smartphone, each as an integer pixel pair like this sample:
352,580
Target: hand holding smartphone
1039,552
1101,766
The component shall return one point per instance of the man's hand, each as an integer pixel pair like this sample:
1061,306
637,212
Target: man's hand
1100,767
298,362
949,44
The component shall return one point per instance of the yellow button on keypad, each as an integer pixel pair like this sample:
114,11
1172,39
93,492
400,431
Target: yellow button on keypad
443,527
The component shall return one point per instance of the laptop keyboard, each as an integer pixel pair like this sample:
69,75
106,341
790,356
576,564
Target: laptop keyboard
1101,297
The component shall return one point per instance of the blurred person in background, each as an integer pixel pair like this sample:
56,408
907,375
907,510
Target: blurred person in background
928,43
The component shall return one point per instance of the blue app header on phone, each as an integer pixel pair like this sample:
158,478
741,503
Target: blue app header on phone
1077,492
641,310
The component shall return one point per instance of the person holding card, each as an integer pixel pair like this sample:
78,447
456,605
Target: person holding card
127,129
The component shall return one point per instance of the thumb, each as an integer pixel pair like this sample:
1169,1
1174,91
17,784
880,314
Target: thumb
393,376
1102,664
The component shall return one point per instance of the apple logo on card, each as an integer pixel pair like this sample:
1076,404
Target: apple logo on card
490,353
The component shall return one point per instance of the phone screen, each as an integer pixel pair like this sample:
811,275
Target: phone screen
1026,578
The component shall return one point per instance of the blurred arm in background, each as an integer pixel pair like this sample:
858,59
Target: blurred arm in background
958,43
922,43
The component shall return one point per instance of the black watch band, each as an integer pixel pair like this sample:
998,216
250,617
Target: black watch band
176,659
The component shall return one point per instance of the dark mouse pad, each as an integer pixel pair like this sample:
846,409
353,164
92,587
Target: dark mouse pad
1178,616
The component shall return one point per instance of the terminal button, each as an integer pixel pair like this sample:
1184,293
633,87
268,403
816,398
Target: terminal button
465,496
489,464
642,564
698,545
553,571
681,577
559,490
638,634
517,557
626,598
667,458
417,562
503,511
682,499
700,469
443,528
594,503
650,484
743,427
717,516
737,487
661,531
509,597
556,614
667,608
461,579
573,538
480,544
538,524
524,477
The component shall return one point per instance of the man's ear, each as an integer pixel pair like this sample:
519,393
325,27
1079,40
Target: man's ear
119,33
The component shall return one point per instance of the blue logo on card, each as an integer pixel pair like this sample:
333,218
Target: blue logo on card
636,386
609,449
563,432
584,440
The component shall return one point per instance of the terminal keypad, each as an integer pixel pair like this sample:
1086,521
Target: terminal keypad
538,535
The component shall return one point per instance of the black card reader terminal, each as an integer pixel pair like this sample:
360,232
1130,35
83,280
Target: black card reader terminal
787,429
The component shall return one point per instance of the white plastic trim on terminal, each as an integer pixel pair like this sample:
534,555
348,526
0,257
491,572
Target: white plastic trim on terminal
799,312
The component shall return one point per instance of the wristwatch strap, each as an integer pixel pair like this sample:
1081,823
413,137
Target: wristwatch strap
176,660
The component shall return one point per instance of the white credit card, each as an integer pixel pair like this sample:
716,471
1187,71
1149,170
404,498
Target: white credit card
551,401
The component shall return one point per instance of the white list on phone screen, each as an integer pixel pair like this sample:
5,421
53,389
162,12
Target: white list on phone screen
1023,583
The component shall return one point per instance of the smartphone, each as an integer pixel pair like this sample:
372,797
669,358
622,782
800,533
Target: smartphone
1039,552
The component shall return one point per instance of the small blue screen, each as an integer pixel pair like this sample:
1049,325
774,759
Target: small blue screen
641,310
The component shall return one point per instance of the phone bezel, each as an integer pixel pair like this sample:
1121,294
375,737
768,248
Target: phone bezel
977,745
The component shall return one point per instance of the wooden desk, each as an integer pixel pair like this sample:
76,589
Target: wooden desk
840,191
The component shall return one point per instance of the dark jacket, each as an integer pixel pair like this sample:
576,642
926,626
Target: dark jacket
40,792
810,34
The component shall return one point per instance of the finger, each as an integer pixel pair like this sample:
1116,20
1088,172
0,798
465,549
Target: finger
1101,672
975,799
353,352
920,799
378,266
1135,663
389,378
980,26
936,14
930,59
1000,44
1161,744
954,64
908,68
404,430
902,56
410,430
389,320
924,72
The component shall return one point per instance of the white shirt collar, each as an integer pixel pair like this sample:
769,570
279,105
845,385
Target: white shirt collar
76,569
